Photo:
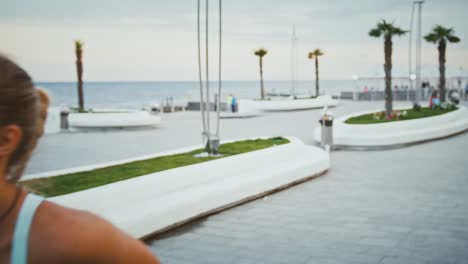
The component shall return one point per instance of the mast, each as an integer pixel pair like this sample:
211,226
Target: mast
418,54
293,61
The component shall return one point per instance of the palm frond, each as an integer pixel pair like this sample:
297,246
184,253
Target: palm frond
440,33
431,37
261,52
315,53
398,31
375,32
79,44
453,39
387,29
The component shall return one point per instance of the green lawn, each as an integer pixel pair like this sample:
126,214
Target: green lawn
411,114
75,182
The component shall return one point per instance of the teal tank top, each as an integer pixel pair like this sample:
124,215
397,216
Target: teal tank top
19,254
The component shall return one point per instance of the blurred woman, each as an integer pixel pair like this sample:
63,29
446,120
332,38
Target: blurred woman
34,230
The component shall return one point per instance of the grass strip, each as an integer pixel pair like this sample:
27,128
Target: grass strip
74,182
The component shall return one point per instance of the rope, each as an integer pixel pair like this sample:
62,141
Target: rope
205,103
219,67
207,75
202,103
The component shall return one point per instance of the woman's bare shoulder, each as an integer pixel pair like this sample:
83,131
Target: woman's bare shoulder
76,236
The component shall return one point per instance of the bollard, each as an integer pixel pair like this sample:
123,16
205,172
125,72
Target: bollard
64,118
326,135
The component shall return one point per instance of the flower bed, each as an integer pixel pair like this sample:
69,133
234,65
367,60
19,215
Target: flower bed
398,115
383,133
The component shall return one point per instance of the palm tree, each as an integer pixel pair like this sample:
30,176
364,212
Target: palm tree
441,35
314,55
79,71
388,30
261,53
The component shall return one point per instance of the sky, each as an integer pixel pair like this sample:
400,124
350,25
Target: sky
155,40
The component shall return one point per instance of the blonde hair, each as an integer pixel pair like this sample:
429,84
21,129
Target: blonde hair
25,106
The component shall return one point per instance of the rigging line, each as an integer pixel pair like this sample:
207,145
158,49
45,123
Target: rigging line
207,75
219,67
202,106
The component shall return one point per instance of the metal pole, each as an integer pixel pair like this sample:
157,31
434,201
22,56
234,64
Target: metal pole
202,104
418,53
410,66
219,67
293,62
207,75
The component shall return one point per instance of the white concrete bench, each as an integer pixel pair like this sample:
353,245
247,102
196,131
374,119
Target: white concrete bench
398,132
113,120
297,104
155,202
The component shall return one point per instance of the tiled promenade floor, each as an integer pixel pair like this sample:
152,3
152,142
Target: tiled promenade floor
178,130
407,205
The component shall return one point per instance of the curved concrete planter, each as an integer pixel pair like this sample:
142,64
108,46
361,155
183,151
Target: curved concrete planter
239,115
156,202
399,132
291,105
113,120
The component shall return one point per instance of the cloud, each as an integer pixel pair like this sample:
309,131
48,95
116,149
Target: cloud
155,39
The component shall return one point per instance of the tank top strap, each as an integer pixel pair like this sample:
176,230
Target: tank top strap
19,254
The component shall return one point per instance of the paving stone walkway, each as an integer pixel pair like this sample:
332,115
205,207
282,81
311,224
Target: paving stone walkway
178,130
407,205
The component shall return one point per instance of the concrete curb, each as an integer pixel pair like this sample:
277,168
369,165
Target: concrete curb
144,157
396,134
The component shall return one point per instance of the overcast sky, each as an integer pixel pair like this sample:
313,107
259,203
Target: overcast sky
156,40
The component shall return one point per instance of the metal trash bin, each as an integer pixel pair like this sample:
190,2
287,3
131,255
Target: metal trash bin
326,135
64,118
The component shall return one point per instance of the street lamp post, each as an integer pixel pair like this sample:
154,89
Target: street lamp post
418,95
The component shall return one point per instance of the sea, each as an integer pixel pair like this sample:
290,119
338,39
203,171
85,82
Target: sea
138,95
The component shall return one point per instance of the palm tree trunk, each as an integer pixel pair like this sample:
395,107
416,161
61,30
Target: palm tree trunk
79,70
262,91
388,75
442,48
316,77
